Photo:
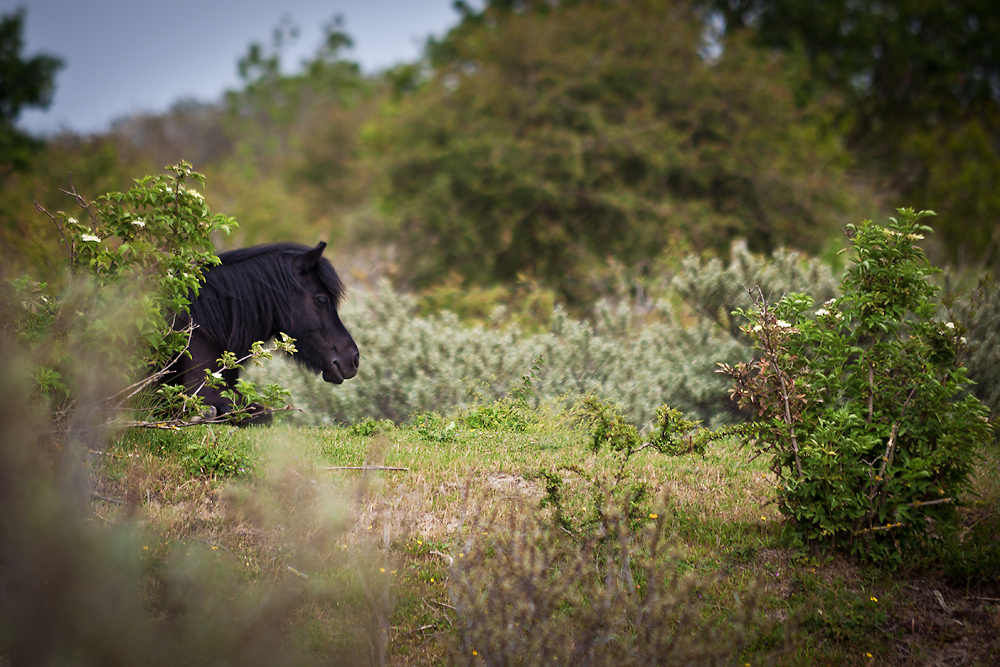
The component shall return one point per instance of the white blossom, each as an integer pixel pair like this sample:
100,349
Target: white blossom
909,237
949,325
90,237
783,324
139,222
822,312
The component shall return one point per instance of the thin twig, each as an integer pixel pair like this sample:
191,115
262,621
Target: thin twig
177,424
108,500
890,452
924,503
365,468
762,305
876,529
440,604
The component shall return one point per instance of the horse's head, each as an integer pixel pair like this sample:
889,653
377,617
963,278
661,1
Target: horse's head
322,341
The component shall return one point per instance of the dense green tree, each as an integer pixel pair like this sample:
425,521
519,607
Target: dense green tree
921,82
24,83
548,139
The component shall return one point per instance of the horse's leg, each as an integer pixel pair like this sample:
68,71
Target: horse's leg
205,355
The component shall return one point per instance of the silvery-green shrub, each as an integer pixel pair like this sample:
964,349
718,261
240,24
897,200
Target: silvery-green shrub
639,360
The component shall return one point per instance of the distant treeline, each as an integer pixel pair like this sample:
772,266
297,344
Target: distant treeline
573,145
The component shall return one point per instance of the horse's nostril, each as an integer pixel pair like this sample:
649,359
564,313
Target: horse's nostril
357,359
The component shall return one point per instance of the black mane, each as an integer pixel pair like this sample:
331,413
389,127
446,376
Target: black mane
249,296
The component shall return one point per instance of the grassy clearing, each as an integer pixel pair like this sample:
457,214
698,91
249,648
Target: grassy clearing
377,557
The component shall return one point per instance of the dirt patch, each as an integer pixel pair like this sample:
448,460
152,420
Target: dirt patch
514,486
934,624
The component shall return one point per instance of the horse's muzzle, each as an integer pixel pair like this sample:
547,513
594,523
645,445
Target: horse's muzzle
342,368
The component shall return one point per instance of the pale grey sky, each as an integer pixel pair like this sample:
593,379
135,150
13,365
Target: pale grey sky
127,56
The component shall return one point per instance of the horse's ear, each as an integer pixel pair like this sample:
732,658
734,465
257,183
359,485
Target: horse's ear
310,258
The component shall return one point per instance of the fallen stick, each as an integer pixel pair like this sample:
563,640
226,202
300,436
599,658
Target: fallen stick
364,468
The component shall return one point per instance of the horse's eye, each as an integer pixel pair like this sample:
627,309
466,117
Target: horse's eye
321,300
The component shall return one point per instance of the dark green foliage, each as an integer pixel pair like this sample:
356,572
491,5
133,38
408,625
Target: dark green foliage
862,405
674,434
609,428
918,82
905,61
24,82
549,141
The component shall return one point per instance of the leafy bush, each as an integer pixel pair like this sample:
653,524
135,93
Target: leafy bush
640,357
133,262
861,405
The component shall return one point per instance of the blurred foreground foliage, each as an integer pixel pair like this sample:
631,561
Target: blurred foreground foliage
92,572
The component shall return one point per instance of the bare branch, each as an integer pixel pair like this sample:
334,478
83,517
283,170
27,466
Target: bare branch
365,468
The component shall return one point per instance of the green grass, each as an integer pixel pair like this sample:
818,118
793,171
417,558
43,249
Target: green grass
388,541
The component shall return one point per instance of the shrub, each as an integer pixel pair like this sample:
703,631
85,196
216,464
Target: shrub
861,404
525,593
75,590
640,358
133,261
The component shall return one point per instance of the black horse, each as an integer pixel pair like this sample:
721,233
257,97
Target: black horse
254,294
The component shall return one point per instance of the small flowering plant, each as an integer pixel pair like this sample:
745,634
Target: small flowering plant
861,403
157,235
145,248
134,259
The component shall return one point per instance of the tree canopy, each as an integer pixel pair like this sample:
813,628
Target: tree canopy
920,81
24,83
548,140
